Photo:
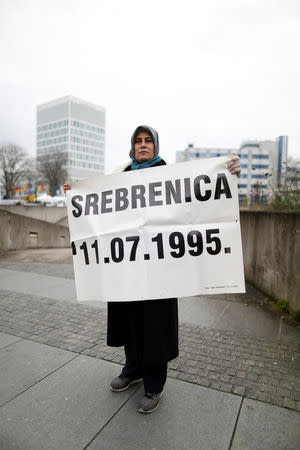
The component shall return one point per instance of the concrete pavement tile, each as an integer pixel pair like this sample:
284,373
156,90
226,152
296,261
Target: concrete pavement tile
189,417
225,315
200,310
264,426
23,363
65,410
55,270
7,339
55,288
17,279
31,283
100,305
289,333
250,320
6,275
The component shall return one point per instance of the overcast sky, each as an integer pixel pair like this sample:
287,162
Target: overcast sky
211,72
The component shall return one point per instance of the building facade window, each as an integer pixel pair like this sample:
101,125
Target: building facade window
260,156
260,166
262,186
258,177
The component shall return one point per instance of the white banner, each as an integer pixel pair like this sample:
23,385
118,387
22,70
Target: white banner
167,231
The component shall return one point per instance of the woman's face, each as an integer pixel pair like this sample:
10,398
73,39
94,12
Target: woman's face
143,147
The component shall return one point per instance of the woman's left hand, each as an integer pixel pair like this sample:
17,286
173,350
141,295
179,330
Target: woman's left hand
233,165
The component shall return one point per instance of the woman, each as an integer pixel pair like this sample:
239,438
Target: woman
147,329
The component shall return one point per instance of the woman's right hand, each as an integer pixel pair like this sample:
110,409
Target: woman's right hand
67,186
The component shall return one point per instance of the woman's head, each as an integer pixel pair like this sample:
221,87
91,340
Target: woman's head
144,144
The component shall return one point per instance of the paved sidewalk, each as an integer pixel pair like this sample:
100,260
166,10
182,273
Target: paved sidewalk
56,399
237,367
224,345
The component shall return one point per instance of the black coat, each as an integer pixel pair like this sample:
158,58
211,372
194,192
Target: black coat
148,326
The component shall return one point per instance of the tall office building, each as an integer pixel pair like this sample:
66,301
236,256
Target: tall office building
76,128
257,160
263,163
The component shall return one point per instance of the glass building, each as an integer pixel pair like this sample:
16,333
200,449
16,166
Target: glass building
263,163
76,128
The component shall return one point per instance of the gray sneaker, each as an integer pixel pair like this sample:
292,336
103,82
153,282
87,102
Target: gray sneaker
121,383
150,402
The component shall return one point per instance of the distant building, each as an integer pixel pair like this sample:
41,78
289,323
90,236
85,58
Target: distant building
293,171
263,163
192,152
75,127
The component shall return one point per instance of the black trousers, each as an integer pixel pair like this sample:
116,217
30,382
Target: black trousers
154,376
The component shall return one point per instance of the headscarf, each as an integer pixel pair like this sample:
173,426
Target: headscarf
153,133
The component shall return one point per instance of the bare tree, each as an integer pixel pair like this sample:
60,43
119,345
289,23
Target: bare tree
52,169
32,174
286,194
14,167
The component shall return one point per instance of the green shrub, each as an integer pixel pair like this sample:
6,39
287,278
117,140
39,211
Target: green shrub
286,196
296,315
283,306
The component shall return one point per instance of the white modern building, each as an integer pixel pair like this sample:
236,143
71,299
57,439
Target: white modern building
75,127
263,163
192,152
293,171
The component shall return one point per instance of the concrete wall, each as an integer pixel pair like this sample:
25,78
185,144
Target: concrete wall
53,214
19,232
271,244
271,247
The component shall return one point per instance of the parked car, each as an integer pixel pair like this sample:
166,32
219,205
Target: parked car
12,202
47,200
